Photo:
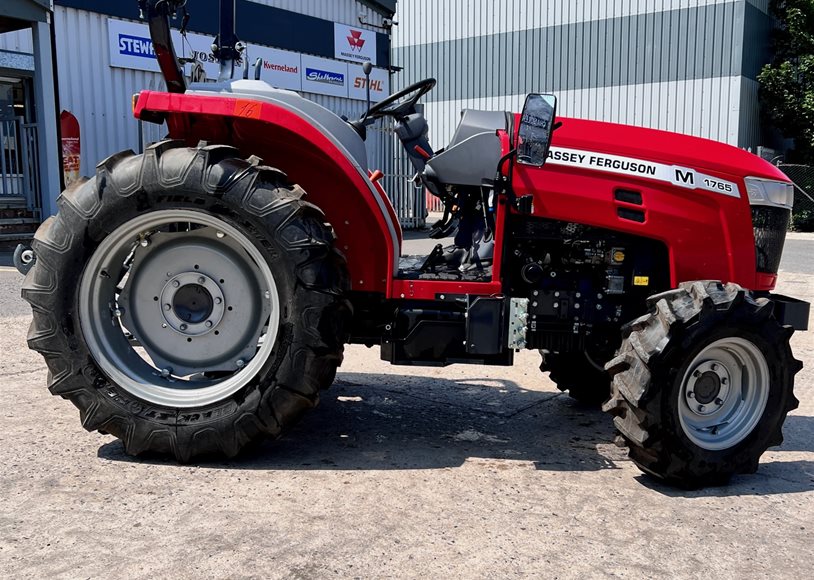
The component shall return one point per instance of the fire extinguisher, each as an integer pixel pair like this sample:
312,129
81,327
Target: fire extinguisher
71,148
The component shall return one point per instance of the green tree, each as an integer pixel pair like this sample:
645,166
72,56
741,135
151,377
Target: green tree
787,84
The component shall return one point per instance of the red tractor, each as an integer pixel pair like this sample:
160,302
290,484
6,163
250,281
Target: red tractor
194,298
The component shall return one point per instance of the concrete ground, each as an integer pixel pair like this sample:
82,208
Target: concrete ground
463,472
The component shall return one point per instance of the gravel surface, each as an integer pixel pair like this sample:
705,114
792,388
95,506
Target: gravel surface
464,472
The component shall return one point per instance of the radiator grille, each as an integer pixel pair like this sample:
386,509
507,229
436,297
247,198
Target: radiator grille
770,224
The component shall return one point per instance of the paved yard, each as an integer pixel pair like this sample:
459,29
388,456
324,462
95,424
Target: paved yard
401,472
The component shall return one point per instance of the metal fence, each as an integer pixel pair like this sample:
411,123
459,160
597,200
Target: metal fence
19,163
803,178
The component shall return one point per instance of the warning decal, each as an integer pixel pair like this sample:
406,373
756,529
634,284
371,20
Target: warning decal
672,174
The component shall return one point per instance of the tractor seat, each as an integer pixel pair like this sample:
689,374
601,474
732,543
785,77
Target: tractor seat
472,156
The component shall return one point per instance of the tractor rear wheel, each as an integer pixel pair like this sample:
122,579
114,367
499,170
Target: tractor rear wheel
187,301
575,372
702,384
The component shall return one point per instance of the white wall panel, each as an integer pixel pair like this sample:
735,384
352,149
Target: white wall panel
456,19
18,41
690,107
344,11
677,65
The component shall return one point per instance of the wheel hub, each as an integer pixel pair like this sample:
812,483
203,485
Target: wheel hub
192,303
707,387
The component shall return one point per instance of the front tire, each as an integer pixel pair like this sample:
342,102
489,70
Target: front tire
575,373
187,301
702,384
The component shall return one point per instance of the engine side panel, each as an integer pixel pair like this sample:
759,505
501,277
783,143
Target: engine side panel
693,201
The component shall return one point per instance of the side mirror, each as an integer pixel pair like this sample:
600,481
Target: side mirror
536,127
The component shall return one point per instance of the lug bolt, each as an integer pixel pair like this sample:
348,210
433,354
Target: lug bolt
208,324
167,307
218,300
175,283
576,306
599,307
599,296
240,363
724,380
578,295
690,395
144,242
117,313
556,304
268,295
714,367
166,372
183,327
201,280
534,304
535,293
163,325
556,294
701,408
696,374
220,235
719,402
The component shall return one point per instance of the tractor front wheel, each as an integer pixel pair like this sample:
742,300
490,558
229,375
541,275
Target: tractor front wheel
187,301
702,384
576,373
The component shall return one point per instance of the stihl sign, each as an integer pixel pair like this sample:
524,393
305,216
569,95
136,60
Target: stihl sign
361,83
354,44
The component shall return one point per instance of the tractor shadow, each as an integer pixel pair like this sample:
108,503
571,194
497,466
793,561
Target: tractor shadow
387,422
392,422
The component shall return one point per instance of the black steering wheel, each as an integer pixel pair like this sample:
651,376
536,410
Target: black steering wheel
394,106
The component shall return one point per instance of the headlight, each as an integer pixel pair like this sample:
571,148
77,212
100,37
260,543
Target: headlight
768,192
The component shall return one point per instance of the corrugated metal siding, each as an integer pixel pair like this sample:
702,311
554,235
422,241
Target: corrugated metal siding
453,19
344,11
97,94
18,41
674,65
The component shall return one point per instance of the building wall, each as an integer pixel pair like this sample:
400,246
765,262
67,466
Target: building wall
680,65
100,95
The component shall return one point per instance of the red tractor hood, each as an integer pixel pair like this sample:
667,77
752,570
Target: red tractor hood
662,147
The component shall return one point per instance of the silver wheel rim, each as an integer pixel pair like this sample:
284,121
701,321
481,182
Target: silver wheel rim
723,393
179,308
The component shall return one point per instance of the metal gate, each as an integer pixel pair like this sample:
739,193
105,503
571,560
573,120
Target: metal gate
19,164
385,153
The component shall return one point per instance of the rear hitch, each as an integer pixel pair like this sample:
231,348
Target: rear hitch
24,258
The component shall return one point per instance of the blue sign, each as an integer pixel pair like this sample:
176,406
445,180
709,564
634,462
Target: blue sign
324,76
136,46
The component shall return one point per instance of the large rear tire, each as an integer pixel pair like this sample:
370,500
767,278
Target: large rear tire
188,301
702,384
